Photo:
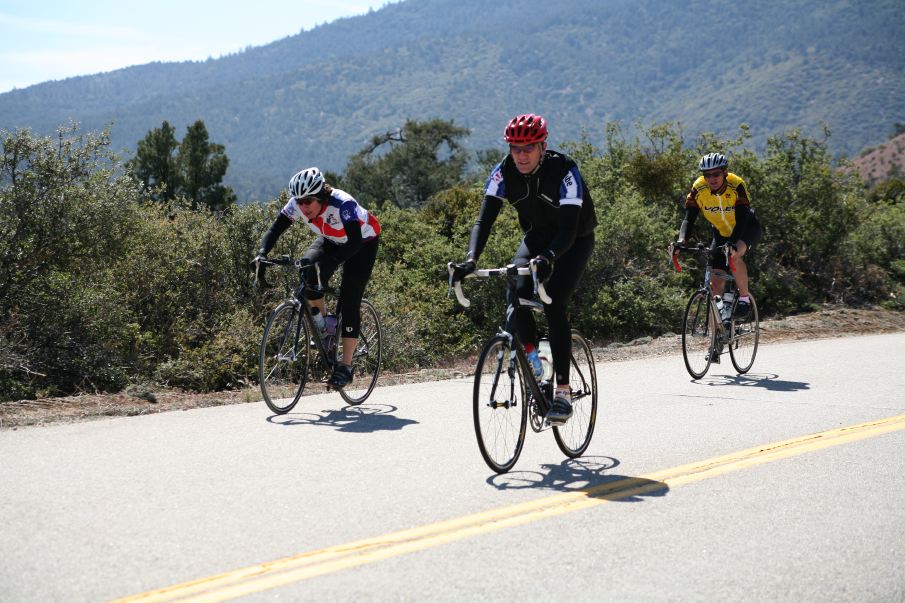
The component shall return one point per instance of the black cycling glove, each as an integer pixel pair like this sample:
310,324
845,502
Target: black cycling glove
463,269
544,268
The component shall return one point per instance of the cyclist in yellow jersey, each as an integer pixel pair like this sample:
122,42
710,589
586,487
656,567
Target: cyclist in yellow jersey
723,199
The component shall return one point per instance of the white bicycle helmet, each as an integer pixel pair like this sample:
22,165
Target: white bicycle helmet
712,161
307,183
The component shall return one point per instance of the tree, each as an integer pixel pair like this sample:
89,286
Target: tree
423,159
202,165
193,169
154,163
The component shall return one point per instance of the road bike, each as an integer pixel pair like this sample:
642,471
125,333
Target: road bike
710,322
294,352
508,396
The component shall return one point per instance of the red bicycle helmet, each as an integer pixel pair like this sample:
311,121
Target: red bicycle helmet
526,129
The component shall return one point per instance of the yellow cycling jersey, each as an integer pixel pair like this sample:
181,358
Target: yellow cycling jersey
719,207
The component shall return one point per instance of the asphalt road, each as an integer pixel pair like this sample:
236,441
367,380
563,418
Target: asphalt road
783,485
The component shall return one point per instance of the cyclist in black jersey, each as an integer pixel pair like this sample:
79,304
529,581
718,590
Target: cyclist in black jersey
557,216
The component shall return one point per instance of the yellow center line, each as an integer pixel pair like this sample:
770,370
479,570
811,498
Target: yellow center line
272,574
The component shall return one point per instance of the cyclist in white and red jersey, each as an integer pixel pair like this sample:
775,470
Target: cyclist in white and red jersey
347,234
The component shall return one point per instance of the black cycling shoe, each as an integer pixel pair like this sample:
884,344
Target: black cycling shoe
715,356
341,377
560,411
742,310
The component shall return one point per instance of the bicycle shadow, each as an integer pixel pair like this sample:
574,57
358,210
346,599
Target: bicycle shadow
770,382
367,418
584,475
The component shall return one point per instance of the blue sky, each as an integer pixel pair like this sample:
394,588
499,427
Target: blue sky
43,40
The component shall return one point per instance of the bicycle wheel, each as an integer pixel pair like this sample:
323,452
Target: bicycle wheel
698,334
500,408
745,337
574,437
366,358
283,359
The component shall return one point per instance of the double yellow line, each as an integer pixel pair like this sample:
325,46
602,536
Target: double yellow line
301,567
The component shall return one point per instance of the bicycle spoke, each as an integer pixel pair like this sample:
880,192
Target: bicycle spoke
282,372
743,348
575,435
499,423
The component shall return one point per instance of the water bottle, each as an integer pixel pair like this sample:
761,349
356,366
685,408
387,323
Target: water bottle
546,360
728,298
331,324
720,306
319,321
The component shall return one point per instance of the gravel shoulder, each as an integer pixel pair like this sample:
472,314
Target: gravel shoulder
826,323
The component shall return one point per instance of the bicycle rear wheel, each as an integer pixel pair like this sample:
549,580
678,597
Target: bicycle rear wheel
500,406
283,358
366,358
745,337
698,334
574,437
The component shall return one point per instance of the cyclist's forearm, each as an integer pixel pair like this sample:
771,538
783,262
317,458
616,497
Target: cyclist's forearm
480,232
691,215
568,231
353,242
278,227
742,215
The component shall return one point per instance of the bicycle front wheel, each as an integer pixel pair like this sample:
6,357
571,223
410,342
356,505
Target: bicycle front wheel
500,405
744,340
283,358
699,334
366,358
574,437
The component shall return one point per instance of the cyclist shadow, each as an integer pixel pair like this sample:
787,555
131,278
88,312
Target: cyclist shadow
770,382
367,418
585,475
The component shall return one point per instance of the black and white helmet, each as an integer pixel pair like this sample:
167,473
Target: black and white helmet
712,161
307,183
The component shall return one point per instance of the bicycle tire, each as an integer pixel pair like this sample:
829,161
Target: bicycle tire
745,339
366,358
574,437
699,332
500,405
283,358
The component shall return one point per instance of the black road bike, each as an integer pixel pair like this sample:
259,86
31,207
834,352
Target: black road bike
710,325
507,395
293,352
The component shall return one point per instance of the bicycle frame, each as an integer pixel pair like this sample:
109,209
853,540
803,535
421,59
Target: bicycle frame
709,273
299,299
511,272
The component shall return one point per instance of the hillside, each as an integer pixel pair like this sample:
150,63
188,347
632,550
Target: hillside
884,161
317,97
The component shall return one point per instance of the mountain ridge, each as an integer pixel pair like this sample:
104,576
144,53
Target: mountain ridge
316,97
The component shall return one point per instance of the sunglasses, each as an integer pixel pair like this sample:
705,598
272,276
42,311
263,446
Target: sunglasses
713,174
519,150
307,200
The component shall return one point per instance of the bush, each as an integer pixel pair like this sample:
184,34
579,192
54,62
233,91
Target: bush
105,289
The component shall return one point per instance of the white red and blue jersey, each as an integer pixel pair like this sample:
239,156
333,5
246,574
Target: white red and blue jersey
341,209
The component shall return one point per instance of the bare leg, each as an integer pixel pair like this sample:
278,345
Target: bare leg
741,269
349,344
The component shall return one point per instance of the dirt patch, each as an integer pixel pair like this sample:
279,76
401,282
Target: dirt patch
829,322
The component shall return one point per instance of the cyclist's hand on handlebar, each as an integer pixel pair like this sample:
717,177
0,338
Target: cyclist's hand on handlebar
463,269
255,263
258,266
544,268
